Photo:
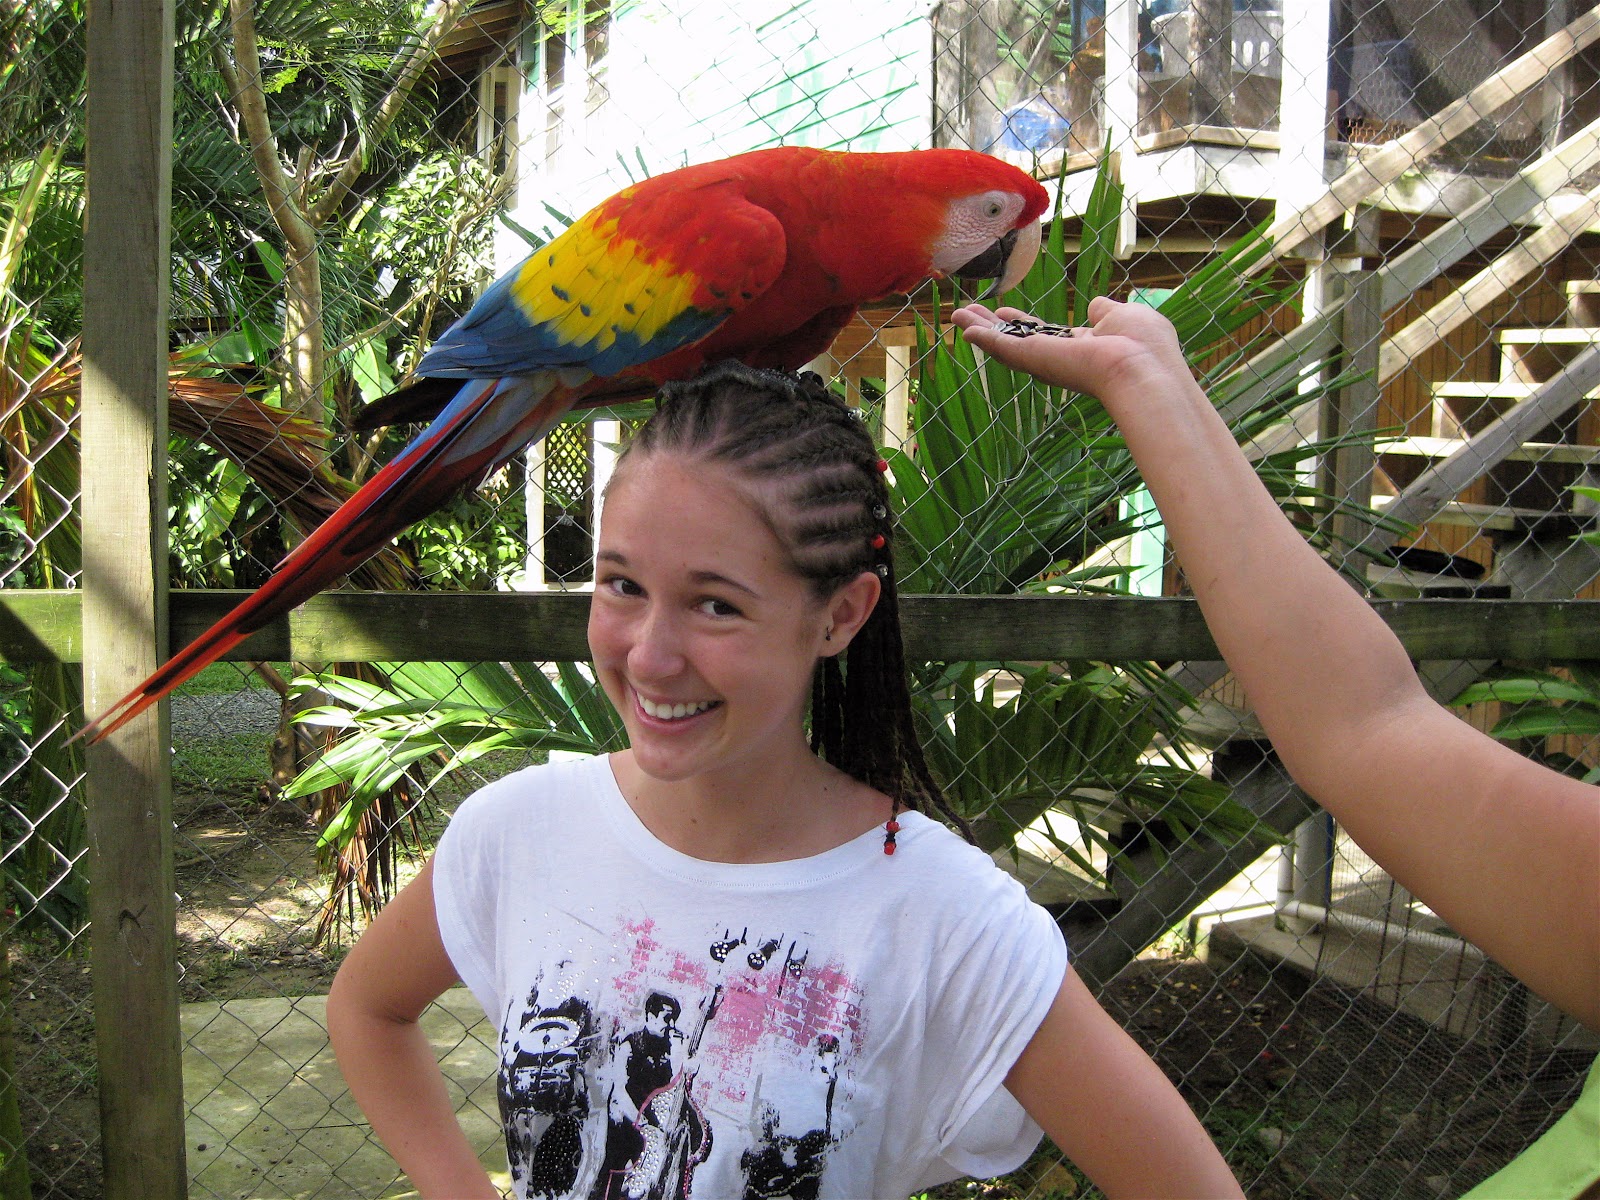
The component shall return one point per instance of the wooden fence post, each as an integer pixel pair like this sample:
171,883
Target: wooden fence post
1352,411
124,432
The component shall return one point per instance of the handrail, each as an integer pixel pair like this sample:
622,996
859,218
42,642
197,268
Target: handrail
1487,286
1403,154
1424,262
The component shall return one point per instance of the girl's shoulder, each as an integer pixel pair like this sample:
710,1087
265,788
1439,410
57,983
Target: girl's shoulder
544,791
946,867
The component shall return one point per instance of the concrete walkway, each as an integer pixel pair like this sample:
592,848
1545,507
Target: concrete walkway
269,1116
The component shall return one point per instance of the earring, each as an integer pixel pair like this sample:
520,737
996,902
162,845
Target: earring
827,635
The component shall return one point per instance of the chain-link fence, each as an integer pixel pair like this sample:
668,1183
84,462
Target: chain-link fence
1408,189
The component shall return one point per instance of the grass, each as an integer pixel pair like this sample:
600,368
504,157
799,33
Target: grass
1238,1133
227,677
227,765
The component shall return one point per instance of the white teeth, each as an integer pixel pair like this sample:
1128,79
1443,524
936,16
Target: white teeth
672,712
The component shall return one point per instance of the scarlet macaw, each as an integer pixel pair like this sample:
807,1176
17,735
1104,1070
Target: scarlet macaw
763,257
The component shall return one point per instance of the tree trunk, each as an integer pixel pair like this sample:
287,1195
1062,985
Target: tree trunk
304,352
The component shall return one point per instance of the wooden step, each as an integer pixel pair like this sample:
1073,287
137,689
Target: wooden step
1501,518
1498,518
1463,407
1536,452
1539,353
1493,389
1554,335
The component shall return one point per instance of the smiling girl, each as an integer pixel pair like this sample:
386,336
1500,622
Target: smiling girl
737,959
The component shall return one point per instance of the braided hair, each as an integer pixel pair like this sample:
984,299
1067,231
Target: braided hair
819,487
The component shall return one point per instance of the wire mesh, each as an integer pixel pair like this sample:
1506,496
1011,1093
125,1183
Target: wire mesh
347,177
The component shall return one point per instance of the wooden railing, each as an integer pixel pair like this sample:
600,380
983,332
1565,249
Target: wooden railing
551,627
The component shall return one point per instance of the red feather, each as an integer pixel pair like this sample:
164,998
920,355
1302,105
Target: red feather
763,257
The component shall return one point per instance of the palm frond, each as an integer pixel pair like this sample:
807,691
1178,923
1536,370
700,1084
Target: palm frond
379,730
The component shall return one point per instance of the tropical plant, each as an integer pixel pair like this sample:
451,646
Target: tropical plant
1012,485
246,457
42,703
321,225
1008,485
1022,745
380,730
314,95
38,428
380,227
1541,705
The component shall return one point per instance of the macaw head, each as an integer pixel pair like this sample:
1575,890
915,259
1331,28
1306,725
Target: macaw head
990,217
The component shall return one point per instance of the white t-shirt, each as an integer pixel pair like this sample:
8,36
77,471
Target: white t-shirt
839,1025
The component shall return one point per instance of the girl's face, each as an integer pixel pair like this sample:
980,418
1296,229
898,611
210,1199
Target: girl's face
703,636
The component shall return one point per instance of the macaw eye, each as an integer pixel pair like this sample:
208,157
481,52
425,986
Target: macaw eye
994,208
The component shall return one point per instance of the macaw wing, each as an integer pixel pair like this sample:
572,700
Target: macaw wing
422,401
655,268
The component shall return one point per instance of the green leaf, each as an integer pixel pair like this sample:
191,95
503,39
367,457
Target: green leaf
270,259
1549,722
1527,689
371,370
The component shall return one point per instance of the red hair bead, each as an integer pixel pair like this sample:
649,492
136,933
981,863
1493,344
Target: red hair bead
883,464
877,541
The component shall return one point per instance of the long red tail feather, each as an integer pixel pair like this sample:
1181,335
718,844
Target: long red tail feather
452,455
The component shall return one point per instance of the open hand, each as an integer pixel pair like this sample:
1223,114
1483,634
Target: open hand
1124,346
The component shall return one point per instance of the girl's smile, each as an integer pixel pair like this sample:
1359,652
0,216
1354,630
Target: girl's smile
706,638
666,710
703,637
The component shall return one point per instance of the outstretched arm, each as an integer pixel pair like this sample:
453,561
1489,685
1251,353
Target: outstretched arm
1111,1110
395,971
1505,850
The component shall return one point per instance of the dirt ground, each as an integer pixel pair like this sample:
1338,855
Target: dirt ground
1309,1090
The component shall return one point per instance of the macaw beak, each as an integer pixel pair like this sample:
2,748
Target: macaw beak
1006,262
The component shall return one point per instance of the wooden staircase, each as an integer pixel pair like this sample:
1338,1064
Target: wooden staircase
1524,501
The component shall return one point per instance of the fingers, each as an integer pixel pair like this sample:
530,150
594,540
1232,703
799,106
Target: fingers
974,316
977,314
977,317
1044,356
1100,308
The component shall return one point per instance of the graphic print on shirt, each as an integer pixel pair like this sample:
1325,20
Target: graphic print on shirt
787,1164
657,1135
544,1093
625,1076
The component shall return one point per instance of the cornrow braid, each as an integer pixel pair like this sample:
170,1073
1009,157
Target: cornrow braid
818,483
